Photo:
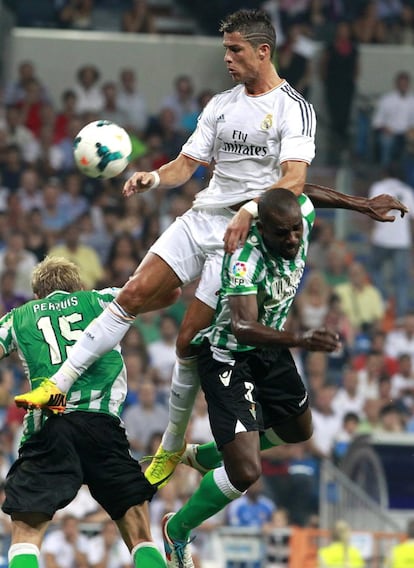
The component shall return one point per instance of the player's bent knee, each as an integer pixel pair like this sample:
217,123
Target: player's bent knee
245,474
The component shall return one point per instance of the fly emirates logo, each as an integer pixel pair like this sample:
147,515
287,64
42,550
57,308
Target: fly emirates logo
239,144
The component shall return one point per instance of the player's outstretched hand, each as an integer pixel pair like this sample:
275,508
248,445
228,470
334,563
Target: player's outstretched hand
320,340
381,205
237,230
138,183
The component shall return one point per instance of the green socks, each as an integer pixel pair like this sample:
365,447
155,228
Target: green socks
213,494
24,555
147,555
209,456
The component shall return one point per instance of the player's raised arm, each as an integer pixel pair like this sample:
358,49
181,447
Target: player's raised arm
378,207
173,174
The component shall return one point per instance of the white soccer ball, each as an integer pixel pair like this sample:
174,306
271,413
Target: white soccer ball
101,149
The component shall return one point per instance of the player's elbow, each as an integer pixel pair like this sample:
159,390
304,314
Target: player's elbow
241,330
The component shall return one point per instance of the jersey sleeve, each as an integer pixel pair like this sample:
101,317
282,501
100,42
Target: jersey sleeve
298,130
240,272
106,295
6,333
200,145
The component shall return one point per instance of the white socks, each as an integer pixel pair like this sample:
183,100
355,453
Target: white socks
23,548
184,388
223,482
102,335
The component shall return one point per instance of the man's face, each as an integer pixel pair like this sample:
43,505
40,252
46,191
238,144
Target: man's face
282,234
241,59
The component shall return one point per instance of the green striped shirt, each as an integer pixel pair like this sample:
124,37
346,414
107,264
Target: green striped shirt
43,331
252,270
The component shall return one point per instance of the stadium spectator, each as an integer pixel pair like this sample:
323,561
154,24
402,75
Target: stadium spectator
30,192
391,419
367,27
12,166
9,299
349,397
88,93
391,243
337,261
252,509
15,90
199,427
370,375
292,64
402,553
17,258
64,114
322,238
326,422
181,101
162,353
340,552
346,435
83,256
132,102
402,382
65,547
400,340
54,215
339,72
391,127
74,202
74,14
107,549
312,302
144,418
361,302
370,419
111,109
138,18
18,133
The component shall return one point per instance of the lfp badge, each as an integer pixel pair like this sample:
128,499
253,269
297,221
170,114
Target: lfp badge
239,271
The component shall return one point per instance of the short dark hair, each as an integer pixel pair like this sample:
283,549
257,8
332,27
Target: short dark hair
278,200
254,25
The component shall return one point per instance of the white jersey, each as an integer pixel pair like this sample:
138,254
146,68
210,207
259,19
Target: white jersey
249,137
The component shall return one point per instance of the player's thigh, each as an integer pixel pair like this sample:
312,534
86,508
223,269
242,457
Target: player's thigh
184,246
281,393
48,474
114,478
230,396
210,282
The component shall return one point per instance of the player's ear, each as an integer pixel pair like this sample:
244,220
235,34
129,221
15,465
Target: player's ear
263,50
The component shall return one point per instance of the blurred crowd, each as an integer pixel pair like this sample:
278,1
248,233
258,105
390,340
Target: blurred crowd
372,21
48,207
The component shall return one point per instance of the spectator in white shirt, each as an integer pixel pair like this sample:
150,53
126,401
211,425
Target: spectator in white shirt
65,547
391,242
89,97
132,102
326,422
349,397
402,383
393,117
108,550
401,339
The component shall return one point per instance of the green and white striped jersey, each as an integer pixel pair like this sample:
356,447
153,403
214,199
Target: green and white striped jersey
43,331
252,270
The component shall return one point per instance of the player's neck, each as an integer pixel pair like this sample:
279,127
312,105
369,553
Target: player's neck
264,83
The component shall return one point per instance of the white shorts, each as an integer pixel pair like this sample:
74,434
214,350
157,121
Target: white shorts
193,247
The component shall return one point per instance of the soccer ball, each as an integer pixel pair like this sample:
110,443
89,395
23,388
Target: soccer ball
101,149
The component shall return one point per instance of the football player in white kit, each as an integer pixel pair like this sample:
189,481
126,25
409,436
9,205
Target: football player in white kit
260,135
